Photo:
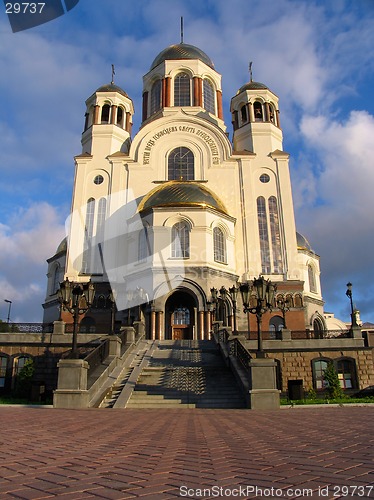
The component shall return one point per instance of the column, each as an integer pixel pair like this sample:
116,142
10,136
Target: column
153,325
145,106
278,120
251,113
113,114
208,324
267,110
160,324
128,123
96,114
197,95
219,104
167,91
201,334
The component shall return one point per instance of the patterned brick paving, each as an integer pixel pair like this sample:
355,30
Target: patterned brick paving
162,454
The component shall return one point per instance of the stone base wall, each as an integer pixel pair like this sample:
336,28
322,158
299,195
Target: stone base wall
298,365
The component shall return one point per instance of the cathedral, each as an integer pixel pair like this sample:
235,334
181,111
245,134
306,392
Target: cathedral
166,221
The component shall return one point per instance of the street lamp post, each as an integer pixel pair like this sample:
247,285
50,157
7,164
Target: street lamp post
265,291
112,312
77,298
9,308
233,291
349,295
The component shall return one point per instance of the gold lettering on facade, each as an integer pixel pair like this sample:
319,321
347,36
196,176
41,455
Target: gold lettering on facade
181,128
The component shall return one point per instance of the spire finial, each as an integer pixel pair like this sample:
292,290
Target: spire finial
113,73
250,71
181,29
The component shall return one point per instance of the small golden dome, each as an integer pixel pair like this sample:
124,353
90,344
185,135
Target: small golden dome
181,194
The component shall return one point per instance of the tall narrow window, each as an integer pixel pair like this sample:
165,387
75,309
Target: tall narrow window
87,252
3,369
264,235
181,165
105,112
275,235
258,112
120,117
156,97
143,244
180,246
182,90
346,373
244,114
56,280
209,96
319,368
100,236
219,243
272,115
312,279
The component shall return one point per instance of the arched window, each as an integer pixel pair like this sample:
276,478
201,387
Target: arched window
181,165
143,244
312,279
101,302
56,280
105,113
182,90
298,300
272,115
156,96
276,324
319,367
180,245
244,114
181,316
219,244
88,233
258,112
208,96
3,370
318,328
347,373
100,236
120,115
275,235
264,235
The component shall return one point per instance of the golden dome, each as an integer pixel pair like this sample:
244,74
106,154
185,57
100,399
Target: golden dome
181,194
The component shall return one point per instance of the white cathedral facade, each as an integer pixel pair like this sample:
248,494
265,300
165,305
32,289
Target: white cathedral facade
164,217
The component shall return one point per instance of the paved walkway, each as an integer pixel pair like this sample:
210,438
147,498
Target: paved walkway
162,454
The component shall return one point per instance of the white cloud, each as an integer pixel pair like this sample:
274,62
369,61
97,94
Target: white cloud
26,241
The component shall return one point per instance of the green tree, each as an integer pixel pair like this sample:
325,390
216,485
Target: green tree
333,388
24,378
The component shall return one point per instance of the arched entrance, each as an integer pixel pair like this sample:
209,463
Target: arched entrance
180,311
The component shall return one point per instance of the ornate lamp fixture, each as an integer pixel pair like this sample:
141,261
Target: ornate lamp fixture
265,291
349,295
77,298
284,305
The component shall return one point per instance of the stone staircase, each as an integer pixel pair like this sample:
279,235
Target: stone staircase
131,369
184,374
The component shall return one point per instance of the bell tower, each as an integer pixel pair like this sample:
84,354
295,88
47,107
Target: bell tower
108,121
255,118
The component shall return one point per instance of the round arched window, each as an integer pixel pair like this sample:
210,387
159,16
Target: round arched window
264,178
99,179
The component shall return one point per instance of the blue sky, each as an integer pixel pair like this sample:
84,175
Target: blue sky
317,56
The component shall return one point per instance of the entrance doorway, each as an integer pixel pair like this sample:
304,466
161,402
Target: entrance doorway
180,316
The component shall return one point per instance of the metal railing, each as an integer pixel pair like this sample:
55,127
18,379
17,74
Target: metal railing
97,356
237,349
26,328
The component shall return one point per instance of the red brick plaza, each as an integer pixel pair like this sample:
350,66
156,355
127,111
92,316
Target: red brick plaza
161,454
